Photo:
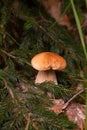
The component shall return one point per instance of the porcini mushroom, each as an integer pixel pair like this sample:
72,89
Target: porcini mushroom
46,63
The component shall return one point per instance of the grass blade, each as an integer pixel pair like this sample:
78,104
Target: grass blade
79,28
83,45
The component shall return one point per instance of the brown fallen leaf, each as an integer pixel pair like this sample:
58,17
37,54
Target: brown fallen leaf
58,106
76,113
22,86
54,7
64,20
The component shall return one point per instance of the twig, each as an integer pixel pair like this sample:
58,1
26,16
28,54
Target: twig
13,57
10,90
41,120
8,54
67,103
78,79
12,38
49,35
28,122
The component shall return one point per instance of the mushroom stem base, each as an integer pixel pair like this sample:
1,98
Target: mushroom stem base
46,76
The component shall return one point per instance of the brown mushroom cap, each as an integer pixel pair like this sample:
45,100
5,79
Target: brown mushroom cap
48,60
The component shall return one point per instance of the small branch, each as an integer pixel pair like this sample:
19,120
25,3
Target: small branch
28,122
41,120
67,103
78,79
8,54
49,35
10,90
13,57
12,38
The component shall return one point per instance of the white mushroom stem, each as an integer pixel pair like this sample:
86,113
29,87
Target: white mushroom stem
45,76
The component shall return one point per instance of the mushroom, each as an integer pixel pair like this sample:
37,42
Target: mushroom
46,63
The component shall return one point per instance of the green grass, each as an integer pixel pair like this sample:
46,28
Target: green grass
86,3
79,29
83,45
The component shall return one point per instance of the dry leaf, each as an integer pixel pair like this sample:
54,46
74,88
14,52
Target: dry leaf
58,106
76,113
53,7
22,86
64,20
